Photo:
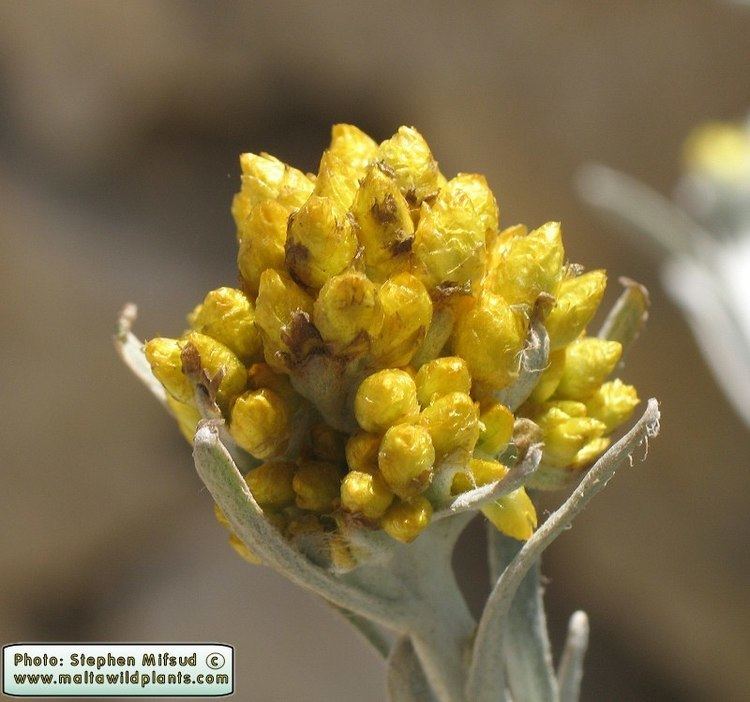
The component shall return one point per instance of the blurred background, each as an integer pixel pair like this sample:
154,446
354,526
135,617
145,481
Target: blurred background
120,129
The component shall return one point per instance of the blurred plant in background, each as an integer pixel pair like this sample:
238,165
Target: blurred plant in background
392,363
702,240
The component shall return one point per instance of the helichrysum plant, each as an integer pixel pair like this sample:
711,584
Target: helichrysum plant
391,362
702,241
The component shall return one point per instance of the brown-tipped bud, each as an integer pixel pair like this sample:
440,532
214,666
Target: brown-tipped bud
411,160
280,299
216,360
320,241
384,224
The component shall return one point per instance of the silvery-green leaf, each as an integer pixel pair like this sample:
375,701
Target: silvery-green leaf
570,670
370,631
528,655
717,333
225,483
406,680
642,210
628,315
130,349
486,679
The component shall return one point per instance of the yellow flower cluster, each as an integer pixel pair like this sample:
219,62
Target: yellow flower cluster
382,311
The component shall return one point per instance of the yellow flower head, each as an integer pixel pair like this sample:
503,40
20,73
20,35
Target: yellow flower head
382,353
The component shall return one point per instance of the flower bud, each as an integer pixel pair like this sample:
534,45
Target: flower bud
577,301
264,177
490,337
271,484
590,452
440,377
588,361
513,514
406,458
187,416
385,398
496,428
279,300
320,241
550,377
260,423
565,434
344,310
384,225
263,235
453,424
216,358
326,443
612,404
362,452
403,314
449,243
530,265
405,521
336,180
229,317
366,494
165,358
478,191
352,146
317,485
498,248
478,472
410,158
